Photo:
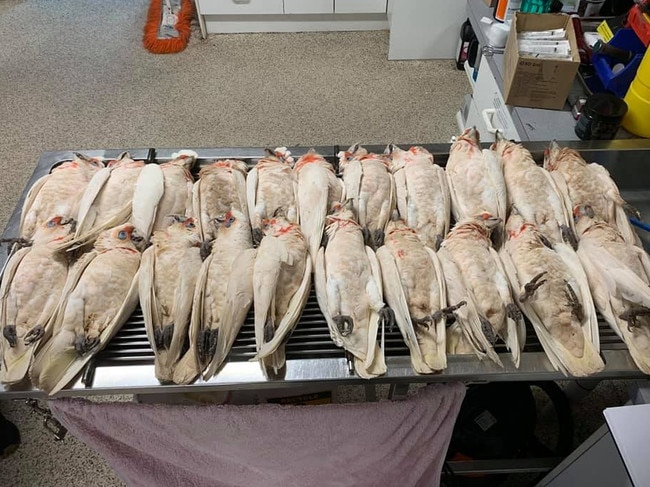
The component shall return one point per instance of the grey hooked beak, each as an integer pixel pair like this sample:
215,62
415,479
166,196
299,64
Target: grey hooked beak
138,240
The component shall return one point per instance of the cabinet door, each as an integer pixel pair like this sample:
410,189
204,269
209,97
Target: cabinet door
359,6
308,6
241,7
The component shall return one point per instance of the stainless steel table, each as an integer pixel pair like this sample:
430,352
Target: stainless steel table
126,365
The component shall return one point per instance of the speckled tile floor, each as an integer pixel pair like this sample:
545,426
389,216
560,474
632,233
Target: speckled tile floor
74,75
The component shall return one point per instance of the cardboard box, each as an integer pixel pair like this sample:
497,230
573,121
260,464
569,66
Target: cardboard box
539,83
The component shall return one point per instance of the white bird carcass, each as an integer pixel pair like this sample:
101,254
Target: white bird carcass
414,288
29,293
125,189
533,191
422,192
619,276
589,184
271,186
348,285
222,297
177,192
318,190
221,187
553,293
371,188
468,244
281,284
100,293
57,193
465,334
476,182
168,274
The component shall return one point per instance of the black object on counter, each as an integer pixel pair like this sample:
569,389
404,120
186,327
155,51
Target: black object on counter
466,36
601,117
621,55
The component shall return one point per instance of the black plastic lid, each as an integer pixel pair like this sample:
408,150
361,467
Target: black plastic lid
605,106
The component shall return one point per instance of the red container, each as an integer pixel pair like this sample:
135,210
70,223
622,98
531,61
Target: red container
640,22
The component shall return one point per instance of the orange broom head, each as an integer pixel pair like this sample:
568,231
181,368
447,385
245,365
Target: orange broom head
167,46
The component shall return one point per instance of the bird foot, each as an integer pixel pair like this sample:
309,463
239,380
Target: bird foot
9,332
631,316
349,358
84,344
574,302
378,239
513,312
269,331
531,286
387,317
207,345
344,324
34,334
367,237
545,241
448,312
438,242
488,331
205,249
569,236
167,335
424,322
158,338
258,235
324,240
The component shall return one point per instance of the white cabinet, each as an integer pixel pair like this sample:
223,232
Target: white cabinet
241,7
359,6
308,6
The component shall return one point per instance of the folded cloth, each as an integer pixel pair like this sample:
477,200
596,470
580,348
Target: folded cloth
389,443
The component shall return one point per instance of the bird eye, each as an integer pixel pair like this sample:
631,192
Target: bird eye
231,219
190,225
122,235
51,223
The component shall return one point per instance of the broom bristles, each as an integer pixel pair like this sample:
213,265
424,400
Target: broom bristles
167,46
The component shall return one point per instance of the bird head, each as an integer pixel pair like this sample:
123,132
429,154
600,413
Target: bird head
310,157
56,230
516,225
90,162
468,140
556,155
397,225
584,217
184,159
123,237
277,225
184,228
230,220
488,220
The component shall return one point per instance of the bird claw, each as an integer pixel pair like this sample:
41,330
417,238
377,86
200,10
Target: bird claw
258,235
269,331
349,358
378,239
158,338
574,303
513,312
488,331
448,312
367,237
205,249
167,335
344,324
324,240
207,345
34,334
387,317
631,210
631,316
545,241
9,332
569,236
531,286
438,242
84,344
426,321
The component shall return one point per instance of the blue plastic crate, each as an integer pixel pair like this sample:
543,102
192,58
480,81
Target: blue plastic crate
620,82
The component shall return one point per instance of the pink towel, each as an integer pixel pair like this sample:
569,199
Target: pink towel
390,443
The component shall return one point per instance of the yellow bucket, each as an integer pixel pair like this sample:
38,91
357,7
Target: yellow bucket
637,119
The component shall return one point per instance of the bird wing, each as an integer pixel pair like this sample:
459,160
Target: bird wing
352,177
239,297
313,197
446,196
128,307
148,191
242,191
29,201
401,192
320,285
86,217
251,195
289,320
394,294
